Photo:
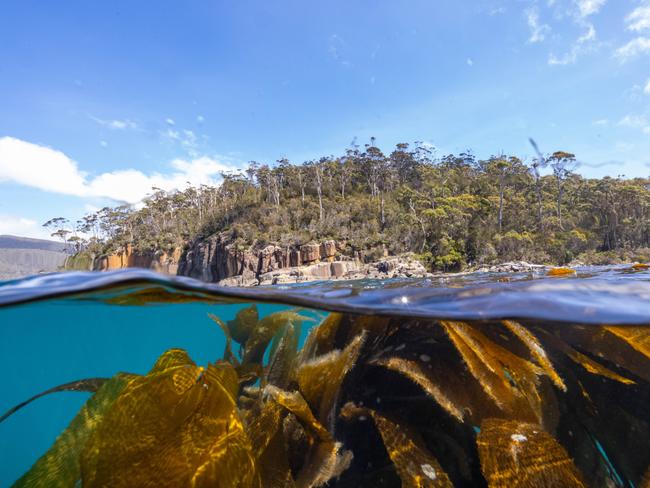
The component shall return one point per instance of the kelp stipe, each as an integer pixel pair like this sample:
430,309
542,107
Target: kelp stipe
371,401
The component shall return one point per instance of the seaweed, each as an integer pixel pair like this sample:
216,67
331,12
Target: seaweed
370,401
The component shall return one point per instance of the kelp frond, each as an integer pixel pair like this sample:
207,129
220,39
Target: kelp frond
449,403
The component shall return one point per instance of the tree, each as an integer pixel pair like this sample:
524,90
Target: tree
57,225
535,167
562,163
450,211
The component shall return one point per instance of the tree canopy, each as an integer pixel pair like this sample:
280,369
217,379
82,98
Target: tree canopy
452,210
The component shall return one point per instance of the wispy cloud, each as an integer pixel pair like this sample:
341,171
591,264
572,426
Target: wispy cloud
586,42
635,122
646,89
185,137
600,122
189,140
589,35
538,31
589,7
21,226
470,62
639,19
636,47
50,170
115,123
582,45
170,121
335,48
171,134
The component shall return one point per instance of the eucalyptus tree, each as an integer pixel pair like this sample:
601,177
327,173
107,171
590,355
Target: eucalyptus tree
563,163
535,166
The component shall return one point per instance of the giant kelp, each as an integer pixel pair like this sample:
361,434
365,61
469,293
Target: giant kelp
370,401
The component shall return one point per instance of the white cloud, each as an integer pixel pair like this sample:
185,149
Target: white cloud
169,121
187,138
590,35
39,167
537,31
567,58
171,134
639,18
589,7
637,46
635,122
587,41
103,143
21,226
470,62
200,119
646,89
116,124
600,122
50,170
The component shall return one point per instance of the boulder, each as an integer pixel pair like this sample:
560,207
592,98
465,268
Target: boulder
338,269
318,271
309,253
328,250
512,267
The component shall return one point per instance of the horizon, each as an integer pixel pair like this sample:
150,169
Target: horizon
101,103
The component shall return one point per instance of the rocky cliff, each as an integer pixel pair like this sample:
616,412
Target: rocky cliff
219,259
161,261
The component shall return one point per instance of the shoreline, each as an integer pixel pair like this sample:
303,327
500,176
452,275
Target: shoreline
394,267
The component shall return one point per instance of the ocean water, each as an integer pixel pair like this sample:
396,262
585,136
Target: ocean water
59,328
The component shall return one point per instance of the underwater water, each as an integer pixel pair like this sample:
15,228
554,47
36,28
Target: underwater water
476,380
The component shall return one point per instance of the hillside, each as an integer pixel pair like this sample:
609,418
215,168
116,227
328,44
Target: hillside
15,242
450,212
23,256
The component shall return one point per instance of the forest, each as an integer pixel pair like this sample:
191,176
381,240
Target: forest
452,211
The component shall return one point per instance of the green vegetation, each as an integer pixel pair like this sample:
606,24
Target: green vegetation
451,211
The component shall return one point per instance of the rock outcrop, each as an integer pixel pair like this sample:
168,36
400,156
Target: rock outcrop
312,272
511,267
395,267
160,261
220,259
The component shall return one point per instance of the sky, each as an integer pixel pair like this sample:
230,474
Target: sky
101,101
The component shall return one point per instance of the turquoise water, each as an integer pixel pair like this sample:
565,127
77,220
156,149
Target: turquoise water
59,328
49,343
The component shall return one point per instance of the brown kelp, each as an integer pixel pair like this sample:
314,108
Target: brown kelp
371,401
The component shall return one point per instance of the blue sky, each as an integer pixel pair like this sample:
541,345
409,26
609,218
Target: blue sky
101,100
